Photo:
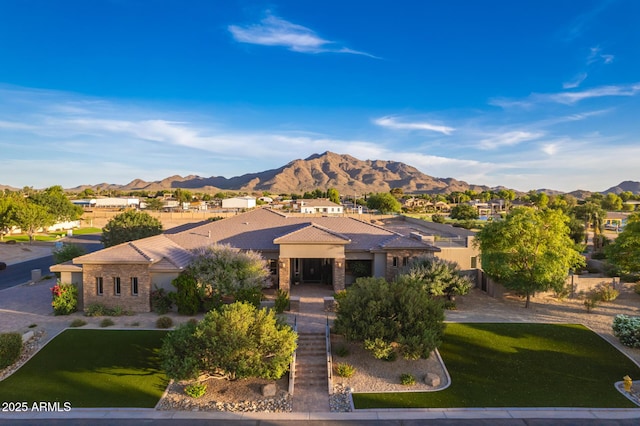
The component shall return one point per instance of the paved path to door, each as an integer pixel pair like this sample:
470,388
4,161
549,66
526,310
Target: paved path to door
312,318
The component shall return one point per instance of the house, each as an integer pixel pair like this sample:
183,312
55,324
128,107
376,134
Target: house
298,250
318,205
239,203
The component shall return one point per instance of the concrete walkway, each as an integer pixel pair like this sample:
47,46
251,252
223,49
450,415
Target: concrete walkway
311,319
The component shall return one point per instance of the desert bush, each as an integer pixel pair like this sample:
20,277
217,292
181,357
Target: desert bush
10,348
164,322
107,322
437,218
64,299
195,390
342,351
591,301
627,329
407,379
78,323
282,302
379,348
606,292
238,340
99,310
345,370
160,301
95,310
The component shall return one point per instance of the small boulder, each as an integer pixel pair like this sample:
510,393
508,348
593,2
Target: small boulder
269,390
432,379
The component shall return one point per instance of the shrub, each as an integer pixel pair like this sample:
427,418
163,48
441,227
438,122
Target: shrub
187,297
77,323
10,348
251,295
630,278
379,348
282,302
34,325
627,329
164,322
407,379
345,370
107,322
95,310
591,300
160,301
67,252
342,351
606,292
65,299
195,390
238,340
437,218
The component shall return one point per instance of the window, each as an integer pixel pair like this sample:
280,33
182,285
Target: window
273,266
474,262
395,262
134,286
116,286
99,287
405,261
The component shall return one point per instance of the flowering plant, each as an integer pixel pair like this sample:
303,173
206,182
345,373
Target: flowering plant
65,298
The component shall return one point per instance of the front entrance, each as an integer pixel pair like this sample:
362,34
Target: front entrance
312,271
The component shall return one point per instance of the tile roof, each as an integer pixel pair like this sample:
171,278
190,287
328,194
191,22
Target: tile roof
313,233
260,230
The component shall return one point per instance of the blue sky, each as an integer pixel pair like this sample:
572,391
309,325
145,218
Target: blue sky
524,94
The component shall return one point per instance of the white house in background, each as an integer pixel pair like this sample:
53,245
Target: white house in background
319,205
239,203
111,202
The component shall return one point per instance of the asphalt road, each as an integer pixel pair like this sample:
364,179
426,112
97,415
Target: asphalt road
20,273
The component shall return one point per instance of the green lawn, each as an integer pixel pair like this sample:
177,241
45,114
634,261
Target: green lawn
23,238
92,368
521,365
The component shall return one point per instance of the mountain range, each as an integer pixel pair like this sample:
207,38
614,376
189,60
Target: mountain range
345,173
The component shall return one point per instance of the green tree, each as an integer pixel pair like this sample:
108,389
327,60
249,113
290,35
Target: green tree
593,216
6,215
624,252
399,314
529,251
237,341
31,217
439,277
67,252
397,192
155,204
55,201
129,226
464,212
612,202
333,195
220,271
384,203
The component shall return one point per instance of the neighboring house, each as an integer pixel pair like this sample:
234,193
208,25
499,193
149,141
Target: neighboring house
615,220
108,202
239,203
298,250
318,205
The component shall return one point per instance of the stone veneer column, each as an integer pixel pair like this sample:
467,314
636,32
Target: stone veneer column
284,274
338,274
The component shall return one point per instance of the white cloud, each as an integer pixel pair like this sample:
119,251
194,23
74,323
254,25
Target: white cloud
569,97
575,81
550,148
508,139
596,55
393,123
275,31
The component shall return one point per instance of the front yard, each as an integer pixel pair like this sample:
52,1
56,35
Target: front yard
520,365
92,368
